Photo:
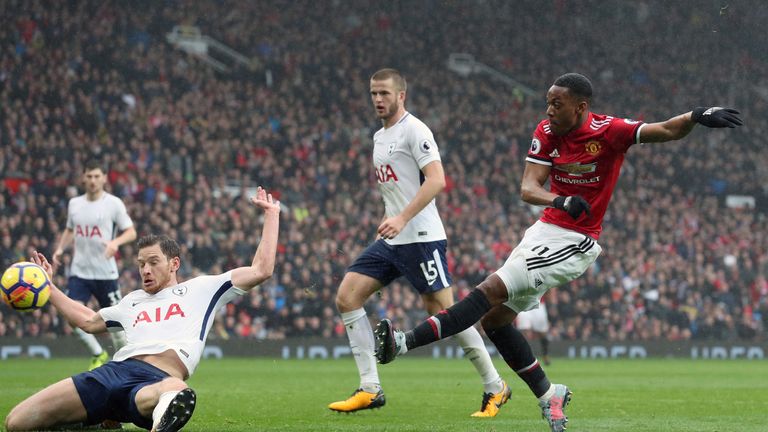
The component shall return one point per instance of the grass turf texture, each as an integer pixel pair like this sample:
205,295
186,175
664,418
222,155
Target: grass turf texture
439,395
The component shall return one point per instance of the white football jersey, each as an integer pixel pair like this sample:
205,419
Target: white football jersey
94,224
399,153
177,318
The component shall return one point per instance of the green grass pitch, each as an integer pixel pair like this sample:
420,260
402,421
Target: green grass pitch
438,395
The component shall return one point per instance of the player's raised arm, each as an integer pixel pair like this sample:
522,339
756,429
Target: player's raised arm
74,312
264,260
679,126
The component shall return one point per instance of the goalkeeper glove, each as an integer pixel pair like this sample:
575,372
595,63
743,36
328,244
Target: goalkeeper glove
573,205
716,117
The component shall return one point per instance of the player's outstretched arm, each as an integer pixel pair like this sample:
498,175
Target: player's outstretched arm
74,312
679,126
264,260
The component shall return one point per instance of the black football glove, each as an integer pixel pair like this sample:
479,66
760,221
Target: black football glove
716,117
573,205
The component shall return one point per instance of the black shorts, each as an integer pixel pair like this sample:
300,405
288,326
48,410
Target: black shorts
109,391
106,292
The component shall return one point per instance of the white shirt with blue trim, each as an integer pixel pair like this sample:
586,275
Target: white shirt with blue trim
93,225
399,154
177,318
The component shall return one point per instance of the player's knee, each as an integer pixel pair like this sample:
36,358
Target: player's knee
13,422
346,302
172,384
342,303
496,318
489,324
494,289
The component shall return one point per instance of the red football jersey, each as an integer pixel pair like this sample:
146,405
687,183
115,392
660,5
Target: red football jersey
585,162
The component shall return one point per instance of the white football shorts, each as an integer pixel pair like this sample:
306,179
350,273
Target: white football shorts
547,257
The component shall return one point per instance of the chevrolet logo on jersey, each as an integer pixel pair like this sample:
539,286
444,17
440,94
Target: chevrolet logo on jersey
577,168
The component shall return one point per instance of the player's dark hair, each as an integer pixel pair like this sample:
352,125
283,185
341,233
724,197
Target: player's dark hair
168,246
577,84
397,78
92,164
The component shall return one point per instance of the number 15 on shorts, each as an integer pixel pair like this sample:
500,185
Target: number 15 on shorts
430,271
435,269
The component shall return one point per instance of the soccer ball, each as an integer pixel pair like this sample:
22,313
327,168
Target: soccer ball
25,286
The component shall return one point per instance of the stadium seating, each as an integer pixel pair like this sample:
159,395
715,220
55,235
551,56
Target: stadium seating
184,142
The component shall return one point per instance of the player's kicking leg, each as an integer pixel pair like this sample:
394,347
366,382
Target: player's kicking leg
390,342
553,398
496,319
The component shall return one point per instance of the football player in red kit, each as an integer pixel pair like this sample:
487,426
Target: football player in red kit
580,153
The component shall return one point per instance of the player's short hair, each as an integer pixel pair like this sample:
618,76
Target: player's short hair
92,164
168,246
579,85
387,73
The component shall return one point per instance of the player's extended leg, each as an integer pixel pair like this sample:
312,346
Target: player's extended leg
354,290
170,403
446,323
496,392
57,404
517,353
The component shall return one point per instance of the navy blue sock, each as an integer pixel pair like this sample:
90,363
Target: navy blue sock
518,354
448,322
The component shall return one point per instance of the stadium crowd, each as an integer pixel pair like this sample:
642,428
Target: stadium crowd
184,144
